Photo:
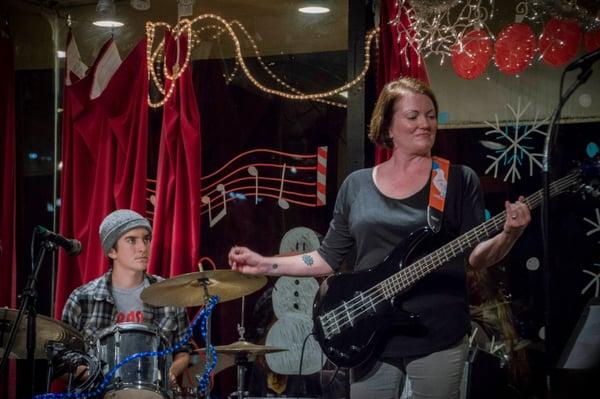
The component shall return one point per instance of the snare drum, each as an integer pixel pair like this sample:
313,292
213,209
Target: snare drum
142,378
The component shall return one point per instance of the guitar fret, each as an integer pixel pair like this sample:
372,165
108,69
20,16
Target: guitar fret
348,314
336,324
349,311
372,304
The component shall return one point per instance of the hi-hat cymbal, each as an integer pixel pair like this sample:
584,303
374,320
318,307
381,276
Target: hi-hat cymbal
188,289
198,362
247,347
47,330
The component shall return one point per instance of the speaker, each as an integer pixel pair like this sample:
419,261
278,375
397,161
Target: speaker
484,376
582,351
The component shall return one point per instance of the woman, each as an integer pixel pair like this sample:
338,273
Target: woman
379,207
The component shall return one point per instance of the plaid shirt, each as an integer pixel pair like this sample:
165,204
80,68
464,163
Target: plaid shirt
91,308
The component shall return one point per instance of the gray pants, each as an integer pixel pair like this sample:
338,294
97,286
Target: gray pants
435,376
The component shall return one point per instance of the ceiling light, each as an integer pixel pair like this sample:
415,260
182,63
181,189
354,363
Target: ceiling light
108,23
314,7
314,10
105,15
61,54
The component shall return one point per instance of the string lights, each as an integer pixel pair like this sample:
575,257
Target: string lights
184,27
429,30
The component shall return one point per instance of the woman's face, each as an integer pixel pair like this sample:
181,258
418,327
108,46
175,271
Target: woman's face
414,124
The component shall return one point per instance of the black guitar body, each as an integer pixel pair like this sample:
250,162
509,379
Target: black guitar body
357,340
353,311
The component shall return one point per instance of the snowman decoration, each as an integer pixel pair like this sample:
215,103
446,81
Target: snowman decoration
292,304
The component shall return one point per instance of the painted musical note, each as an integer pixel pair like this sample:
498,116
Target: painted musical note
252,171
206,200
283,204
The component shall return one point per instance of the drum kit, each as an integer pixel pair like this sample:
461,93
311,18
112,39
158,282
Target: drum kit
145,377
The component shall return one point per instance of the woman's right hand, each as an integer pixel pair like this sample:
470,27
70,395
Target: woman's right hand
246,261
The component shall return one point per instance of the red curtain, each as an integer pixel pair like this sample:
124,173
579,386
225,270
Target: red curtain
176,236
391,64
104,158
8,183
8,263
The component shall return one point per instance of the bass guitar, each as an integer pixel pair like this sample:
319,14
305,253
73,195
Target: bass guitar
351,310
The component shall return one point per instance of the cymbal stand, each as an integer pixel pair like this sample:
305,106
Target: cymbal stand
204,283
241,359
241,362
53,348
28,305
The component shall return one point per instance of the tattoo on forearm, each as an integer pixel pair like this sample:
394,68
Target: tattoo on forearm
275,266
308,260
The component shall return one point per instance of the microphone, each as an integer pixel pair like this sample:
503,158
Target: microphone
71,246
584,61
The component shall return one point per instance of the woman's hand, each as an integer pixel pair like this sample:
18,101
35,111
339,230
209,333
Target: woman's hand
246,261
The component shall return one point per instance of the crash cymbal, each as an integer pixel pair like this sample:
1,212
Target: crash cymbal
247,347
47,330
187,289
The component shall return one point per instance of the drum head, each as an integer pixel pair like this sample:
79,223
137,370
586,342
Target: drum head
128,393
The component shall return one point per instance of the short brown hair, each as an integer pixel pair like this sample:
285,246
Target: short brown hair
384,108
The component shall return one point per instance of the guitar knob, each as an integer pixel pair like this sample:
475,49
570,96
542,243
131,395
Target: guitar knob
338,353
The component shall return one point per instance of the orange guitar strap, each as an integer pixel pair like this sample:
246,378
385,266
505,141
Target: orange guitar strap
437,193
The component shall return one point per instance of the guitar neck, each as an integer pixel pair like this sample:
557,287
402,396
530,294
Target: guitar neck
408,276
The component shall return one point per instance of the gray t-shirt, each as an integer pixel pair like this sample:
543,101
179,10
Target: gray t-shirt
129,305
369,225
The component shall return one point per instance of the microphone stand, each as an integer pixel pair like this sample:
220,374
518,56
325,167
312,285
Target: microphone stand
549,143
29,303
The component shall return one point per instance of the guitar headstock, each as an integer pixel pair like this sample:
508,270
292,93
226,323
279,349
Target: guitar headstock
589,178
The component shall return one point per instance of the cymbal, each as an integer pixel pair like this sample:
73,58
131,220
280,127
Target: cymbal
187,289
198,362
47,329
521,344
247,347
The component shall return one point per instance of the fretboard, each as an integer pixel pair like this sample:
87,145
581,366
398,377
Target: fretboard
408,276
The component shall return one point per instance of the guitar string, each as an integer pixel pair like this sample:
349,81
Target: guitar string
497,221
380,295
357,306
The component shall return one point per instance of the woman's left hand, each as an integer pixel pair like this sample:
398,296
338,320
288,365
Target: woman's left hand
518,217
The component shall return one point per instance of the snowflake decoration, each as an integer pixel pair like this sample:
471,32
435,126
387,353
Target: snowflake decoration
433,30
595,281
595,224
513,144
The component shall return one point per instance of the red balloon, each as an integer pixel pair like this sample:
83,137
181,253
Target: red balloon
559,42
471,55
515,48
591,40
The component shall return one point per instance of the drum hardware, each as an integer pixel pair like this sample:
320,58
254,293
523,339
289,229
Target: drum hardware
28,308
48,331
195,289
241,349
145,378
58,343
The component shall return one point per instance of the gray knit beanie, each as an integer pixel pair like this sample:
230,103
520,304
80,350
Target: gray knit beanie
118,223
